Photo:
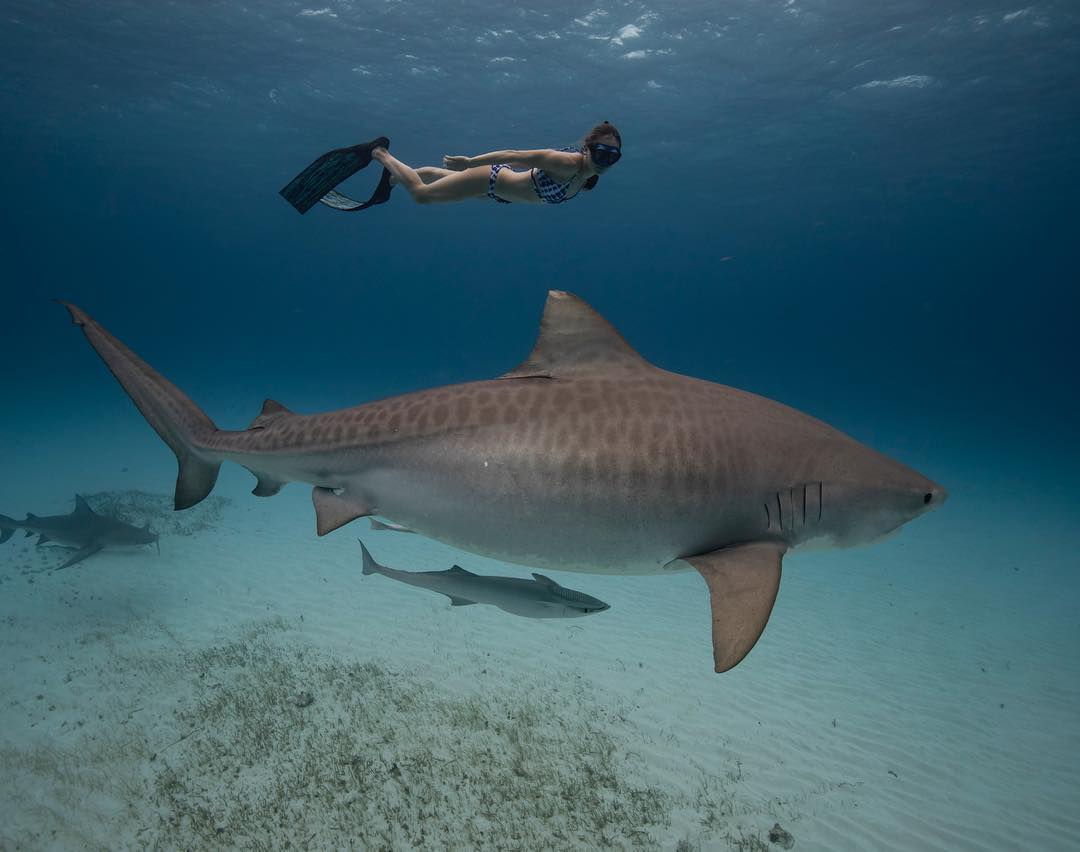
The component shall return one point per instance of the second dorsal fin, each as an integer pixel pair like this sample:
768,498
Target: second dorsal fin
271,411
575,340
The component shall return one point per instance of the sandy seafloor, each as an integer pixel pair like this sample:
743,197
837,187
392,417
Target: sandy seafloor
921,693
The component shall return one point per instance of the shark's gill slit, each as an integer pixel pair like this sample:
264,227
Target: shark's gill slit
820,501
768,517
780,511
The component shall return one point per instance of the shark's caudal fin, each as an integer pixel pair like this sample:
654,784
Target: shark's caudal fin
179,421
370,565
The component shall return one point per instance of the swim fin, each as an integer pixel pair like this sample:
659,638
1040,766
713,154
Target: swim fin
339,201
333,167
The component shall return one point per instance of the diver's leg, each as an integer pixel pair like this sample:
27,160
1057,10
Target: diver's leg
430,174
453,186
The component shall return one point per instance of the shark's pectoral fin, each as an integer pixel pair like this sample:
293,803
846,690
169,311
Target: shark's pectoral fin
81,554
743,582
333,510
456,601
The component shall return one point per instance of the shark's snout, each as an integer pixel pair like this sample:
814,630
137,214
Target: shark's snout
935,497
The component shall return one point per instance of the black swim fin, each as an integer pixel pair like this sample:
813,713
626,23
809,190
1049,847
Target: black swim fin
333,167
339,201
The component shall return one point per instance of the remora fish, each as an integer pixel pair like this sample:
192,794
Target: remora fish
584,458
541,597
83,529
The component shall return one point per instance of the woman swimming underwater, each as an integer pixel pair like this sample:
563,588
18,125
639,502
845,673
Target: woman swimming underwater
543,176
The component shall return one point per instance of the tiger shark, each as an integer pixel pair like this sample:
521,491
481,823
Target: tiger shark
586,457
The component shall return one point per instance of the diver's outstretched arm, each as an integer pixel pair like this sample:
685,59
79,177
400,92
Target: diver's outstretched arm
544,158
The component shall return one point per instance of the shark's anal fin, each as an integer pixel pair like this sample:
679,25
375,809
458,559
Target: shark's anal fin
81,554
743,581
333,510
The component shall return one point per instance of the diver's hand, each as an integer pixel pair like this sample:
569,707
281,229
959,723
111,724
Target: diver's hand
456,164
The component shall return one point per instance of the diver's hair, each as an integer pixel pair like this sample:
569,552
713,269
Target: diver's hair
601,131
604,130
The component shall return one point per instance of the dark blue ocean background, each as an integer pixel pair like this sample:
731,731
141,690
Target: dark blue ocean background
867,211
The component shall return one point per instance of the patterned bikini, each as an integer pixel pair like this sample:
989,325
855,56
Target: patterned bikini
548,190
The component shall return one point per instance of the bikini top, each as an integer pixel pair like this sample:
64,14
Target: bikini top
547,188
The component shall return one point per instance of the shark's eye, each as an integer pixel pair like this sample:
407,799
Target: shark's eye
927,497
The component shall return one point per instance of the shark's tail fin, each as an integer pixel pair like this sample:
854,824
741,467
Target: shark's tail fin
179,421
7,528
370,565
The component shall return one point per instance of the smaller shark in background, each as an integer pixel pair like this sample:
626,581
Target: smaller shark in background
538,598
84,529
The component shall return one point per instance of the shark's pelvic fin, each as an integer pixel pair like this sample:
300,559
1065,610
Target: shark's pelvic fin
456,601
334,510
743,582
575,340
179,421
81,506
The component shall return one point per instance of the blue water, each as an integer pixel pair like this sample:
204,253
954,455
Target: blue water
866,211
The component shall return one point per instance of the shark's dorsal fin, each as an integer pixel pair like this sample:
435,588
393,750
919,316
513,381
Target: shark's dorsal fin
457,569
272,410
575,340
81,506
545,581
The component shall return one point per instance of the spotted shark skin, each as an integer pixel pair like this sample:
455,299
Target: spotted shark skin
584,458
